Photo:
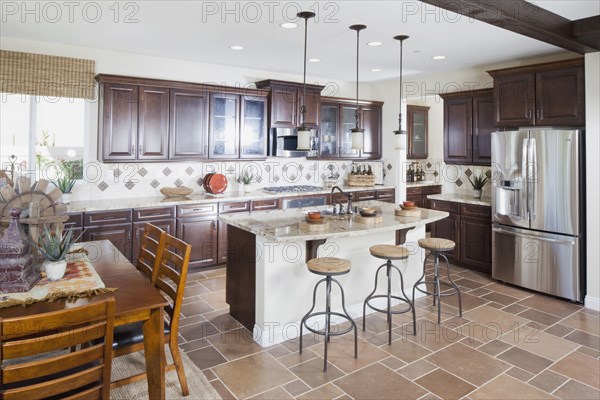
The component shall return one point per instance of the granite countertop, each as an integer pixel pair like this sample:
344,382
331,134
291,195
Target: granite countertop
461,198
160,201
289,225
422,183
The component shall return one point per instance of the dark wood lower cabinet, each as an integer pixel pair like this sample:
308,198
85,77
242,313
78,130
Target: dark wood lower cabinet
202,234
119,235
470,227
167,225
419,194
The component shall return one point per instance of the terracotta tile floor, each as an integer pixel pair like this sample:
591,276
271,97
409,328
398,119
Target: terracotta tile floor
510,343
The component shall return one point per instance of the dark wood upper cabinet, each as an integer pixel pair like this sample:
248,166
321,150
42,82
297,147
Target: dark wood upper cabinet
188,128
468,125
551,94
156,120
153,130
417,131
119,118
338,117
286,100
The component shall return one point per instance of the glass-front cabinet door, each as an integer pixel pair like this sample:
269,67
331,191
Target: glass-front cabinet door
224,125
329,128
253,131
348,121
417,125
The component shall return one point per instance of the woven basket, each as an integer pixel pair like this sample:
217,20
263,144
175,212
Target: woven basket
361,180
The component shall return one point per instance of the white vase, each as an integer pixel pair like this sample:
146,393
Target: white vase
477,193
249,187
55,270
65,198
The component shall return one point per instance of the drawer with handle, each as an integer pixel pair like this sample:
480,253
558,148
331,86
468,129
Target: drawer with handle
445,206
234,206
265,204
147,214
197,210
95,218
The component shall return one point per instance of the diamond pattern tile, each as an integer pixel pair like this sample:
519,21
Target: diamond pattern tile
468,172
167,171
458,182
178,182
301,167
231,169
189,170
488,173
344,167
293,177
267,168
435,173
102,186
275,178
143,172
117,173
308,176
259,179
129,185
389,167
154,183
428,165
284,168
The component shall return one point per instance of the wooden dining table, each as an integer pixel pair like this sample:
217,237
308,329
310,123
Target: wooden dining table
135,300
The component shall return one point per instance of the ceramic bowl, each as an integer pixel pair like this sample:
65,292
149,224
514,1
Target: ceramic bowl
314,214
408,203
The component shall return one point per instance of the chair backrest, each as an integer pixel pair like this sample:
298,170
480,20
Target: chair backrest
35,365
151,247
172,274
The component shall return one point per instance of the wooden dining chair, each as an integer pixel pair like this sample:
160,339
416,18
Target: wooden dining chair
33,365
151,247
170,279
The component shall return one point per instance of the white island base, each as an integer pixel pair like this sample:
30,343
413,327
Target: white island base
284,285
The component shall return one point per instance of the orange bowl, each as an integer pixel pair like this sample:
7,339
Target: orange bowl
408,203
314,214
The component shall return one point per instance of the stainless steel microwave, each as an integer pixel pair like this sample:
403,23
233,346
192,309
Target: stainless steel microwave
283,142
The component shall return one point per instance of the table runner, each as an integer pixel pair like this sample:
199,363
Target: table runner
80,280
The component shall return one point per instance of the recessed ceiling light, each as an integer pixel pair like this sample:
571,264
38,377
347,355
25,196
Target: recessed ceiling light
289,25
375,70
439,57
236,47
374,44
313,60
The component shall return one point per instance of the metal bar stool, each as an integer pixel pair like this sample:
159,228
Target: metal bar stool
389,252
329,267
436,246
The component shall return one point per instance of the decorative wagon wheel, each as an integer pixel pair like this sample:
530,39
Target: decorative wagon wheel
40,207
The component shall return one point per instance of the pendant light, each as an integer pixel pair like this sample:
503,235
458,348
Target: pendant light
357,133
400,134
304,134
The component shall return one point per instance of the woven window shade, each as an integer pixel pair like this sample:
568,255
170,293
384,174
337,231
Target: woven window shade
44,75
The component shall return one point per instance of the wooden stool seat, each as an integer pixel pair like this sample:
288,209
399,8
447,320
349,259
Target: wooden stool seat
329,265
437,244
389,252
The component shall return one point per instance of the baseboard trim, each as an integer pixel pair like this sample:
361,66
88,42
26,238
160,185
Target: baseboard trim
592,303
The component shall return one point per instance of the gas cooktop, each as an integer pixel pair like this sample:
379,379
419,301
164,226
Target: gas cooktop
292,189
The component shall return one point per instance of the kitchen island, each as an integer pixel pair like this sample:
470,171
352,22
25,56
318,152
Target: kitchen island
268,286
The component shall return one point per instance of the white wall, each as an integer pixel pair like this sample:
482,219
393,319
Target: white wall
592,144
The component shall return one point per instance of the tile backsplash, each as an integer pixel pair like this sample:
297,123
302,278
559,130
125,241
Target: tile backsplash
113,181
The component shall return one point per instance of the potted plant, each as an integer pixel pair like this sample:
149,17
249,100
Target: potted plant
478,183
54,247
65,180
246,179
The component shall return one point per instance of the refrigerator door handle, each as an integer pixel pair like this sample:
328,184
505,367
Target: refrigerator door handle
531,178
525,169
525,236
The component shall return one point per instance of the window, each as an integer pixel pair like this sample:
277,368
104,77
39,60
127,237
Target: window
41,137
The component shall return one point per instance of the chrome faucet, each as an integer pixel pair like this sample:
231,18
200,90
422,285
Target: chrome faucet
334,201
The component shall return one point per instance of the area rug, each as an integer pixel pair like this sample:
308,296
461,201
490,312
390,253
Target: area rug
131,364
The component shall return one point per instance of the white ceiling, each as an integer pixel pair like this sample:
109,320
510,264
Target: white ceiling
204,30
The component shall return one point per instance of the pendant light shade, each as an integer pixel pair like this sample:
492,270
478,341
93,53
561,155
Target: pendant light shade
304,134
357,133
400,134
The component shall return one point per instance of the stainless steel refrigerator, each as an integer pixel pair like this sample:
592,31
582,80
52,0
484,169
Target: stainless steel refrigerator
538,210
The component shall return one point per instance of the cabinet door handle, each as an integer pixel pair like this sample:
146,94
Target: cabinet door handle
530,114
140,149
133,149
537,113
205,149
129,235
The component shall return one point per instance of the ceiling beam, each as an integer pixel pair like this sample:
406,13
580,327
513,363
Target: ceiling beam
527,19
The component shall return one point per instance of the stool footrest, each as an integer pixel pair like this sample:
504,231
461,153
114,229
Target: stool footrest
433,283
384,310
346,317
